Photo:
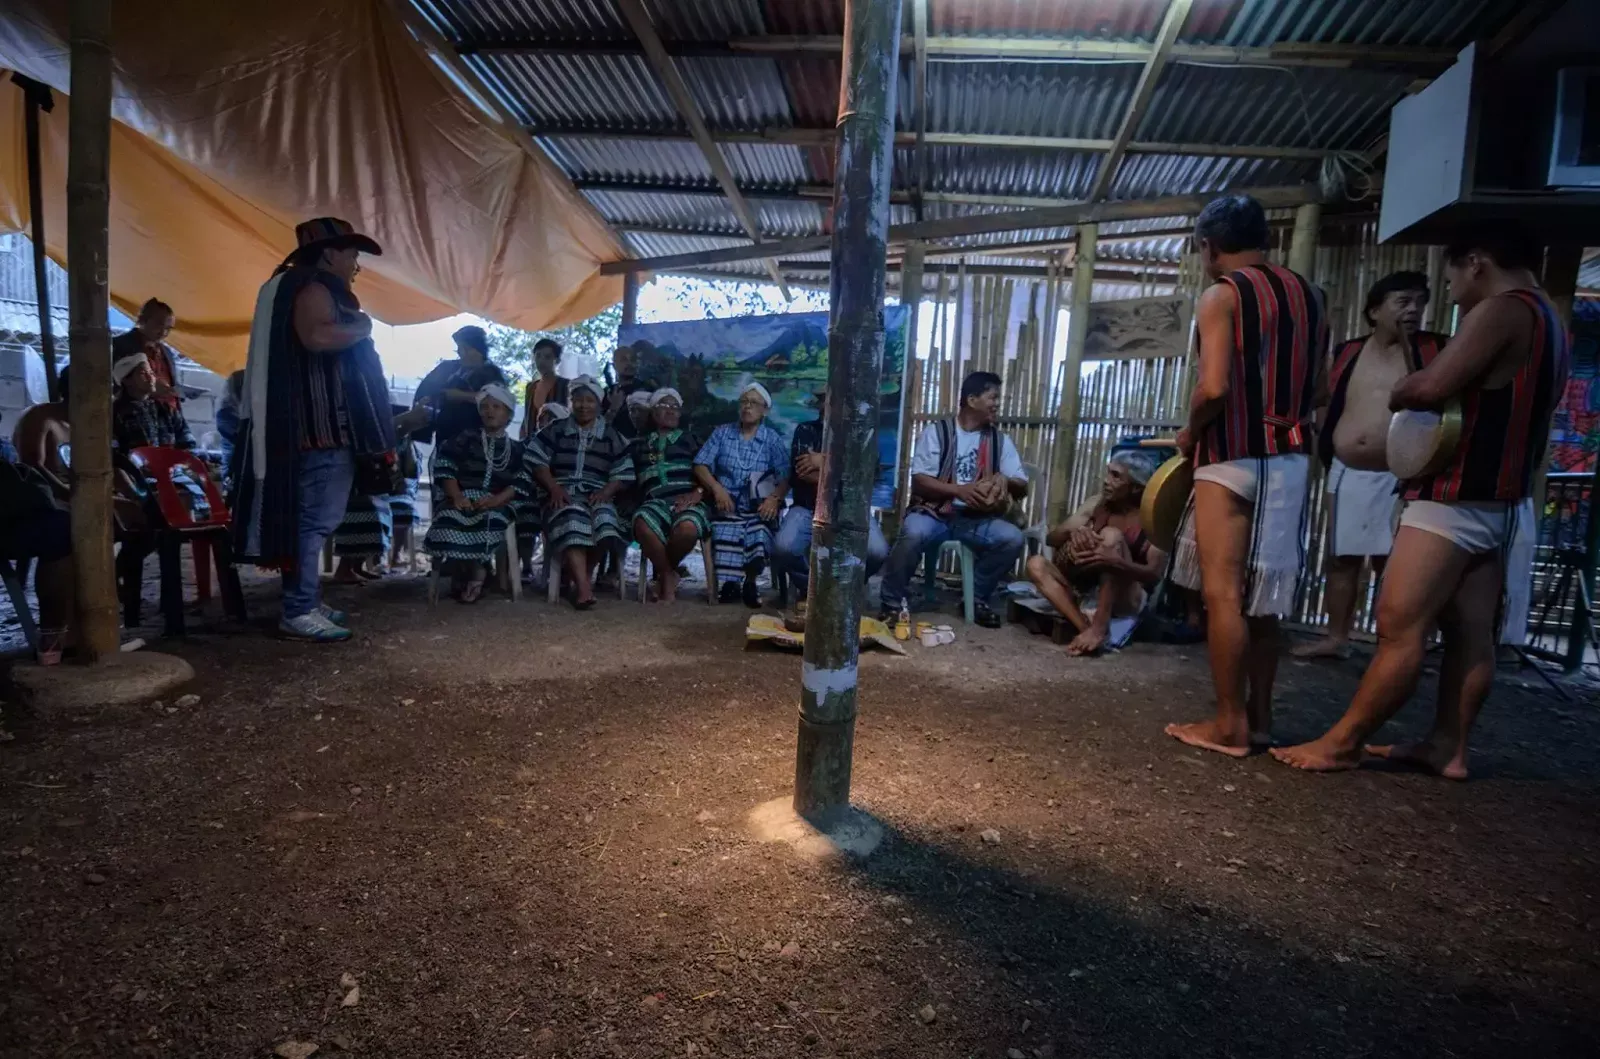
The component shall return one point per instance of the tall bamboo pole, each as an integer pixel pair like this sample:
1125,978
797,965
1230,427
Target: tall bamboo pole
37,97
855,363
911,297
630,299
1303,244
88,228
1072,369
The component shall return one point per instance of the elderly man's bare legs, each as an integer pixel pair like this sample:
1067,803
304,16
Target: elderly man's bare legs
1431,580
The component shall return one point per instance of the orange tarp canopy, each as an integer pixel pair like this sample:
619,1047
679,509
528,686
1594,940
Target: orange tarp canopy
236,120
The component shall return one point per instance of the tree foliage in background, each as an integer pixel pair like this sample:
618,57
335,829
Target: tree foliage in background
595,338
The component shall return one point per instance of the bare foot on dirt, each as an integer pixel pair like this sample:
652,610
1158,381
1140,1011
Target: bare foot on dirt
1326,647
669,587
1087,642
1319,755
1207,736
1424,756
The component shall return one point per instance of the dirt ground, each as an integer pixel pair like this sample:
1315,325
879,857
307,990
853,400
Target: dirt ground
519,831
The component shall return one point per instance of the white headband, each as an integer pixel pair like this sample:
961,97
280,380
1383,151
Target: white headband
639,397
495,392
759,389
555,410
127,366
585,382
665,393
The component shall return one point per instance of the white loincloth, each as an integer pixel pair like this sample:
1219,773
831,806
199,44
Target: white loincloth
1278,490
1477,528
1362,506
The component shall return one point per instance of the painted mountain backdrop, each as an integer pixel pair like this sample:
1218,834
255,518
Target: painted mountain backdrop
710,361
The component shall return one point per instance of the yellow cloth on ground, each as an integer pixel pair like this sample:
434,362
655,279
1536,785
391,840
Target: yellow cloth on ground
766,628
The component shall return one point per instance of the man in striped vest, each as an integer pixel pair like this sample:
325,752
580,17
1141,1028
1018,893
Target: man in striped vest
1506,369
1363,497
1263,340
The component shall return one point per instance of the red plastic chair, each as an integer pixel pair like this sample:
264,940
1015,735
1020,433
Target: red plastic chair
191,509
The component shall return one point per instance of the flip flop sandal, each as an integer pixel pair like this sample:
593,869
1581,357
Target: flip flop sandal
473,592
583,604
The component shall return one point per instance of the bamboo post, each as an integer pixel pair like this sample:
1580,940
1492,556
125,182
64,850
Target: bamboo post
38,97
88,236
911,297
1303,244
1077,335
630,299
863,166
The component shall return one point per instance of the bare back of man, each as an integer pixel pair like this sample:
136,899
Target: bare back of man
1361,435
39,434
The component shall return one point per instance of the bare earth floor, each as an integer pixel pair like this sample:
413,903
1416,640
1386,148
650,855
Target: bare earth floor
520,831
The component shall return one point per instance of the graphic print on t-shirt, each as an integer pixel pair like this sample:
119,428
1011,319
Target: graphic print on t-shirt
966,464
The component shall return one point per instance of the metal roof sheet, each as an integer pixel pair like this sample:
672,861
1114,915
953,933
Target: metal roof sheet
613,90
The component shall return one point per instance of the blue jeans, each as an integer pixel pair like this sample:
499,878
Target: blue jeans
792,547
996,544
323,478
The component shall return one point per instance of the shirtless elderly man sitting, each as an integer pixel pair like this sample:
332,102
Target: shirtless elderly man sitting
1103,562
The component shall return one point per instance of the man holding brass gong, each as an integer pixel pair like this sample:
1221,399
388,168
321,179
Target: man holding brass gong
1469,432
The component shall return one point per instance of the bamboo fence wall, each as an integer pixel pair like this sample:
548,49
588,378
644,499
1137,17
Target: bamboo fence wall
1145,396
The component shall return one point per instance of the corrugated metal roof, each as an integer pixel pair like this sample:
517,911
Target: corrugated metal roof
676,161
1260,23
1285,107
1025,99
1099,19
612,89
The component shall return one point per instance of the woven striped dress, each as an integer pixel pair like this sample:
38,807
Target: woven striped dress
583,460
664,462
481,466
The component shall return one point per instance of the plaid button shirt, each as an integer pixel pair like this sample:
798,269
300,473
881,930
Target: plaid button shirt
735,460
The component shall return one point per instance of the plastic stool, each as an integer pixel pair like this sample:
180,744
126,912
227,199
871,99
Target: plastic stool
930,583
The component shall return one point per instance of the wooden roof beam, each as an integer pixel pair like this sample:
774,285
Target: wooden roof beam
1058,216
822,138
1061,49
1143,91
671,80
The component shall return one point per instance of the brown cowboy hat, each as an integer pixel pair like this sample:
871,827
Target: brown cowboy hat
331,233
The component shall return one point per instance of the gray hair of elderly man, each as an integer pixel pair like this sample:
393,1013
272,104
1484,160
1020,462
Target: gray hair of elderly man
1138,464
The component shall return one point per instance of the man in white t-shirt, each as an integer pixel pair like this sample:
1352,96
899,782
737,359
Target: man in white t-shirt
965,475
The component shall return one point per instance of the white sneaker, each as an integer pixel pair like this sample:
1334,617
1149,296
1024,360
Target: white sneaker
313,628
338,617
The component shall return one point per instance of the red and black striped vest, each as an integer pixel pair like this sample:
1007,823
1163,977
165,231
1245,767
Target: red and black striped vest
1424,347
1504,431
1280,336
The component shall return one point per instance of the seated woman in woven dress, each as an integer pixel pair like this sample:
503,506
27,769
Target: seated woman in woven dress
1103,563
475,479
581,463
672,517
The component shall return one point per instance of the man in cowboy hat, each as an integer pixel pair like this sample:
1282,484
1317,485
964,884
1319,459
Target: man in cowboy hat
315,410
